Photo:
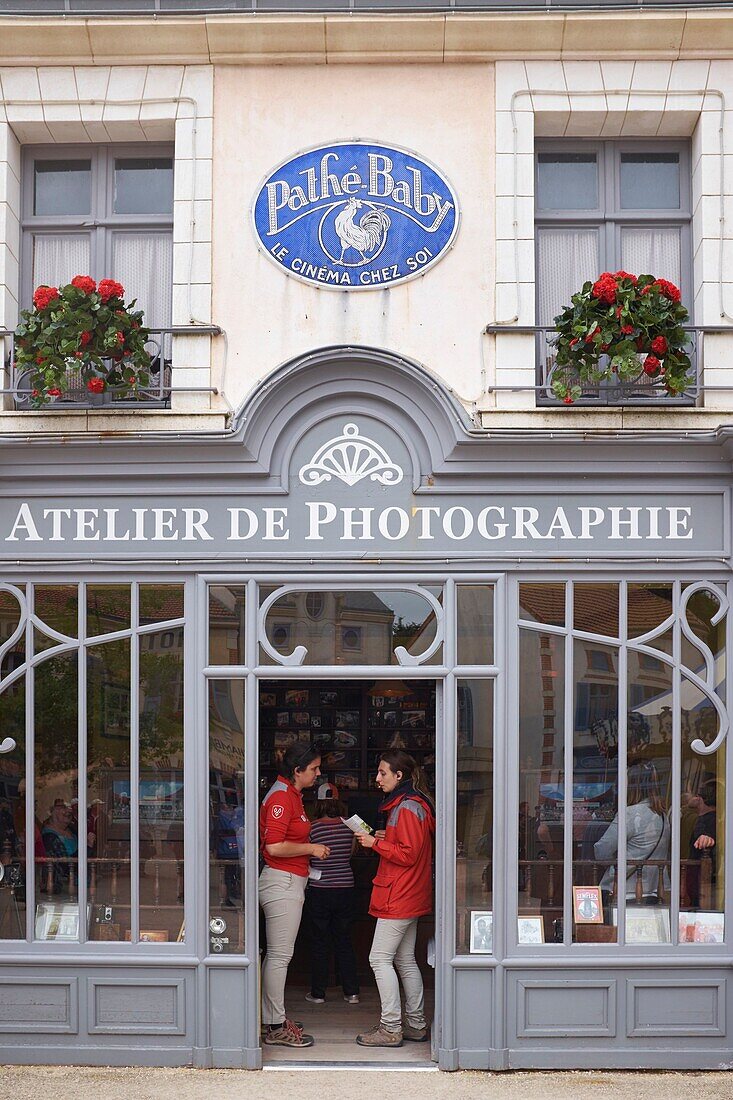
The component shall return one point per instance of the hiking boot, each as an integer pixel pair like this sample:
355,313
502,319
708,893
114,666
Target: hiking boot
378,1036
415,1034
288,1035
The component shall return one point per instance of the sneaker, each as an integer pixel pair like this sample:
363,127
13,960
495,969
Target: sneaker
289,1035
351,998
380,1037
415,1034
315,1000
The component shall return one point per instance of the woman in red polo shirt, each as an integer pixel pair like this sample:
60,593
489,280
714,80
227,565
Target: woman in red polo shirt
402,892
287,851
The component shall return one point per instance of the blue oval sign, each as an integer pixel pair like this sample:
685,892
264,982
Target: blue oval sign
355,215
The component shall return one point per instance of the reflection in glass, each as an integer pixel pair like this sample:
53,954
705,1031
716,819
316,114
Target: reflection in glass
143,185
541,778
353,628
595,608
56,841
226,816
475,608
56,606
161,782
108,608
650,179
595,773
542,603
567,181
108,789
12,780
226,624
474,824
160,602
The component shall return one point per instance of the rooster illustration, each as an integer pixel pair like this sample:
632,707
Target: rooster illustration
364,237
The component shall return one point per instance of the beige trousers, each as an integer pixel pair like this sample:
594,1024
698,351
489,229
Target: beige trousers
393,953
281,896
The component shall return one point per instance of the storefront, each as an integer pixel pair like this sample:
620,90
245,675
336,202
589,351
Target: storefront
555,610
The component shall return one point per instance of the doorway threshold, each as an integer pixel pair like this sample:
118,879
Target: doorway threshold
364,1067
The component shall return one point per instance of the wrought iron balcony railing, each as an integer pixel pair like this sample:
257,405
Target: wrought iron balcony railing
157,394
640,391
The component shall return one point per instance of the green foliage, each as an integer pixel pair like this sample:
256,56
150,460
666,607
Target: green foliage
85,332
615,328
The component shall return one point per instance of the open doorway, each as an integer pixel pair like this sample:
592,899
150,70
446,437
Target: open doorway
351,721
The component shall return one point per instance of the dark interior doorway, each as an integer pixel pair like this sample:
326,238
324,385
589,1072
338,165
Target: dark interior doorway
351,721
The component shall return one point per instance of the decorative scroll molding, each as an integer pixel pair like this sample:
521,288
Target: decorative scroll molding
351,457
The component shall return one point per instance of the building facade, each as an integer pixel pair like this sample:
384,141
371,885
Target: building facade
348,504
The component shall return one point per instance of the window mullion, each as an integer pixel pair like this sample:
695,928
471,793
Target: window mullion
30,772
676,793
135,764
81,792
568,768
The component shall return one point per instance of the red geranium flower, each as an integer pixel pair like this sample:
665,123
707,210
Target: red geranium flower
54,393
568,399
651,364
659,345
120,337
85,283
44,296
625,275
627,329
669,290
574,341
108,288
95,385
85,338
604,289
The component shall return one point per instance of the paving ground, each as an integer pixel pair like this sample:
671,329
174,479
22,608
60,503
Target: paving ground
42,1083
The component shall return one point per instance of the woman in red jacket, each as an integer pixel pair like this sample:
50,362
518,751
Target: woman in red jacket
402,892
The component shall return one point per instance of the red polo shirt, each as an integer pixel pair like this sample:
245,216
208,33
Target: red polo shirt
282,817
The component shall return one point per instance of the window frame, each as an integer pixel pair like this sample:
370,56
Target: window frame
101,223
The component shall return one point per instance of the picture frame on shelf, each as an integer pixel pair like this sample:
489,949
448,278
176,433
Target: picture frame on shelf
58,921
645,924
587,905
297,697
530,930
150,935
481,932
701,927
268,699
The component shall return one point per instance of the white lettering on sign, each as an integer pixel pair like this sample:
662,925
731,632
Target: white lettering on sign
323,521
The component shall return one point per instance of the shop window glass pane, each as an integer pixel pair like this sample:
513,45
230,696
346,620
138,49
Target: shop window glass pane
474,824
62,187
566,258
595,784
648,606
108,826
650,181
57,607
161,784
226,624
108,608
567,181
144,185
160,602
595,608
56,841
475,609
541,780
358,628
542,603
653,251
648,800
58,257
226,824
12,780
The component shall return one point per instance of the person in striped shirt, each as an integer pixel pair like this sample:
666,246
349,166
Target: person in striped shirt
330,899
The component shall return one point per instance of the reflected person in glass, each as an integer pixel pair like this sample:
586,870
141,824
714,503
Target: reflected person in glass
647,837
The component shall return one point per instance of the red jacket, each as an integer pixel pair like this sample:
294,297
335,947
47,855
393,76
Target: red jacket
403,885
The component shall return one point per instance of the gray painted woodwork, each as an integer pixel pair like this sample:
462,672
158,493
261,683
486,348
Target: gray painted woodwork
562,1005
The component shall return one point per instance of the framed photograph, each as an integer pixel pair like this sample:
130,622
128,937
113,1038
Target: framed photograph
587,905
482,932
530,930
283,718
297,697
645,924
702,927
348,781
321,740
349,719
150,935
58,921
413,719
377,701
342,739
329,698
268,699
390,718
301,718
282,739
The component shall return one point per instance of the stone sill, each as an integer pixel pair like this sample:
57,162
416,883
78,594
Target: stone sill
257,38
680,419
121,423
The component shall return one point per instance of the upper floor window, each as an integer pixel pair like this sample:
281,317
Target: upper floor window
104,211
608,206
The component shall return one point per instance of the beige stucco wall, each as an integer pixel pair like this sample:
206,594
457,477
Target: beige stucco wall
262,116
